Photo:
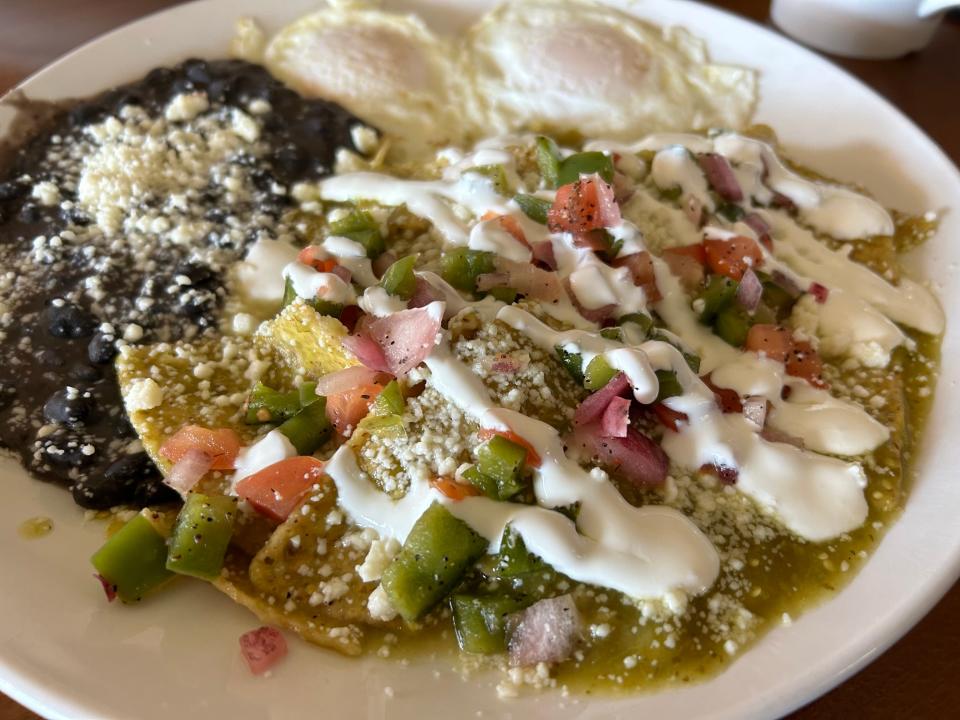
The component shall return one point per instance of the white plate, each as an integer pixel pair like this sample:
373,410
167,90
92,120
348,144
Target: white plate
67,654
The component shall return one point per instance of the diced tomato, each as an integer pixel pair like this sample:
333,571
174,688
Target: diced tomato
820,292
347,408
777,343
727,400
454,490
509,224
277,489
670,419
263,648
641,270
310,256
585,205
732,257
687,263
804,362
695,251
533,459
774,341
221,445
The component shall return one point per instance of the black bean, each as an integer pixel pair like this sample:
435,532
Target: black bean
198,71
8,394
85,373
51,358
198,274
131,480
70,407
65,451
84,114
69,321
290,161
101,349
12,189
30,213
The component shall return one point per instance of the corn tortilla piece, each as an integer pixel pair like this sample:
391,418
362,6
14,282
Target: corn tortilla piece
310,562
202,383
236,584
305,342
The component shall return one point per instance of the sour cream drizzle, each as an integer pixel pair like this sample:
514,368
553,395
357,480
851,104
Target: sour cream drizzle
643,552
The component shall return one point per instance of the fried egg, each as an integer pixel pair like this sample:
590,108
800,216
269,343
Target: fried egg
388,69
587,68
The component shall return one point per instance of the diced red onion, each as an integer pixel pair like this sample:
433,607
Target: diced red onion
531,281
342,272
759,226
547,632
405,339
346,379
543,254
595,240
382,262
598,315
782,201
727,400
749,291
367,351
263,648
720,176
424,294
109,589
188,470
487,281
616,418
635,457
820,292
594,405
755,410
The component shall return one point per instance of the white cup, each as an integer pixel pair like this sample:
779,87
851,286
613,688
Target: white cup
861,28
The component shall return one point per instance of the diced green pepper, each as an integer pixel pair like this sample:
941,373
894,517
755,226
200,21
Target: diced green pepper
201,536
480,621
308,394
533,207
642,320
548,160
484,483
360,227
461,267
573,363
693,361
308,429
732,325
503,461
598,373
731,212
503,294
611,333
585,163
384,425
390,400
399,279
514,559
324,307
777,298
268,405
438,551
134,559
717,295
669,385
497,174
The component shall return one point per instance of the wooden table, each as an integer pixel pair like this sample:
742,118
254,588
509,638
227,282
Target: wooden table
914,679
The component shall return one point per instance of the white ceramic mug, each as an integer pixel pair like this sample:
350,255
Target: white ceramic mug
861,28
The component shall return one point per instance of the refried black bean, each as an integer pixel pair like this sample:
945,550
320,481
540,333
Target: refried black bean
73,288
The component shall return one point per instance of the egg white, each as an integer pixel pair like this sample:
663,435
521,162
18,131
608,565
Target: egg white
388,69
579,66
